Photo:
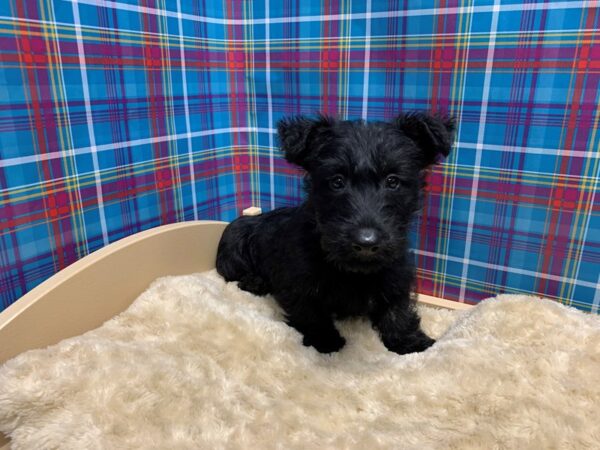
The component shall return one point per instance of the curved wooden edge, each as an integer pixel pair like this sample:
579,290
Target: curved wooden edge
104,283
442,302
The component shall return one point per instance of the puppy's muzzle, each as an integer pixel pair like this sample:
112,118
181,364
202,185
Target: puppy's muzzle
366,242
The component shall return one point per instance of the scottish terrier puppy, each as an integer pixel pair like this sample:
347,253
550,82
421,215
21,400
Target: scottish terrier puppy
344,251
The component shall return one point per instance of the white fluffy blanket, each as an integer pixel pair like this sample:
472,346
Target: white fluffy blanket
196,363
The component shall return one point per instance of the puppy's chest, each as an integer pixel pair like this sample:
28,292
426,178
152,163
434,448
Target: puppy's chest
347,297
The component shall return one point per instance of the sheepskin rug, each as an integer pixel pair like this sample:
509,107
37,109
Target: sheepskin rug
197,363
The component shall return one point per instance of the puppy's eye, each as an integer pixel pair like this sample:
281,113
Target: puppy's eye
392,182
337,183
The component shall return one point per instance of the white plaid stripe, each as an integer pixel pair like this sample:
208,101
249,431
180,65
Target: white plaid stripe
90,123
365,93
480,145
187,110
466,262
349,16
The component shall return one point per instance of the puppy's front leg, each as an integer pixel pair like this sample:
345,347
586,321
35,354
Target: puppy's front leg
400,329
317,328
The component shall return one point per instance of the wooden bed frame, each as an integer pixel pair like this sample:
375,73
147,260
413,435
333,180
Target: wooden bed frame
97,287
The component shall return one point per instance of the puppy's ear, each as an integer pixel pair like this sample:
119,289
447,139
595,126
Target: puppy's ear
297,134
434,135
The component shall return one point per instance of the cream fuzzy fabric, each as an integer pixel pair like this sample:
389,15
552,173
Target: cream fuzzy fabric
197,363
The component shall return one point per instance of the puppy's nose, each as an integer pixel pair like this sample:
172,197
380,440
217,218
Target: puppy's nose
366,241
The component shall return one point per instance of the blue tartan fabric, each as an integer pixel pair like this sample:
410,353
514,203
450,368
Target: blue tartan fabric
117,116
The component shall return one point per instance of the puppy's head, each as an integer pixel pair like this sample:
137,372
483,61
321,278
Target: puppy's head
364,180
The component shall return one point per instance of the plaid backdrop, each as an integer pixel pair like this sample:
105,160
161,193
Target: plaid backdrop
117,116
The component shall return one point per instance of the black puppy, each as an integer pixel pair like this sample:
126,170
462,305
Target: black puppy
344,251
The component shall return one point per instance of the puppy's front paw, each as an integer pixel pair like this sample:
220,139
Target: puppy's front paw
325,343
413,345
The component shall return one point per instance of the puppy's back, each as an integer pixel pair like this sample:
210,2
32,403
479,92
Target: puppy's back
242,241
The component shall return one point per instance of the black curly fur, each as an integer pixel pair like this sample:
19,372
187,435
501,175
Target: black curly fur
307,256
